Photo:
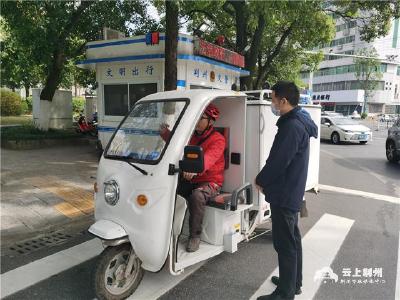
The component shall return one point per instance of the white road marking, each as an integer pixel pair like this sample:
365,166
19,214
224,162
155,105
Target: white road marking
397,295
320,246
34,272
380,197
152,286
381,178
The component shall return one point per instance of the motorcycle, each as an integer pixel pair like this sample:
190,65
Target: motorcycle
85,127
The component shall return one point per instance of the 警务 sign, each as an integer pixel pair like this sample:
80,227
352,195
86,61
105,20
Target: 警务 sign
207,49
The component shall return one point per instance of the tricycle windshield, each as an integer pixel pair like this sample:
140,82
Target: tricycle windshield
138,136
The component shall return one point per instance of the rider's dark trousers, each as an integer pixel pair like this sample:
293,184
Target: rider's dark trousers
197,196
287,243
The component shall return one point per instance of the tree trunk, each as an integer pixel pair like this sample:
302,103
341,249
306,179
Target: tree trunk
241,17
262,71
253,54
171,45
240,14
27,87
54,77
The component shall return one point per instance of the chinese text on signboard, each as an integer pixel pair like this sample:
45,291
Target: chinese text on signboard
207,49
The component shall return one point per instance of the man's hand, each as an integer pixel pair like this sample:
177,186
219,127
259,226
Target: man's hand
164,127
258,187
188,176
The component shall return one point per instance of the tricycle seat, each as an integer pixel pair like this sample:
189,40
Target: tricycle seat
222,201
230,201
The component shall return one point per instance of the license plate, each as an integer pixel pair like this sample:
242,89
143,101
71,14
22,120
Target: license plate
362,137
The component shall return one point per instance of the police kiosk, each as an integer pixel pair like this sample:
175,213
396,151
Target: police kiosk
128,69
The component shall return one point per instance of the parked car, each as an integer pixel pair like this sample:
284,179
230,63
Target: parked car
393,142
342,129
332,114
355,115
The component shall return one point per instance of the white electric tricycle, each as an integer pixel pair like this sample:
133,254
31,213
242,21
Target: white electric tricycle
141,220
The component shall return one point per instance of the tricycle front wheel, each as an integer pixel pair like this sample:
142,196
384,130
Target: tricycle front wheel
112,280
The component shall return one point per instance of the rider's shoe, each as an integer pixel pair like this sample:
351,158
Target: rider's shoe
193,244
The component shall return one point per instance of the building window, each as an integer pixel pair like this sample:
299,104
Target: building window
343,70
116,99
119,98
338,86
338,42
343,85
304,75
138,91
347,25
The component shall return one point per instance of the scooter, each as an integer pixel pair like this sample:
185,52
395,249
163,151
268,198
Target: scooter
140,218
86,127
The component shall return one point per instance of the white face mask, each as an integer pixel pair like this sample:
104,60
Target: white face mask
274,110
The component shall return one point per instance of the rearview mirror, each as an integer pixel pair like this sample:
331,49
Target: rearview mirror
328,124
193,160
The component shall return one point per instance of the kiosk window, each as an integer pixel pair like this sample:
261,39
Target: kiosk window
116,99
138,91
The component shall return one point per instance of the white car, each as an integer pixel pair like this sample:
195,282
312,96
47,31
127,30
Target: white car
342,129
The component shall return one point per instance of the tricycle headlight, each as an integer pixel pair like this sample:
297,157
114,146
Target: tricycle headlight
111,192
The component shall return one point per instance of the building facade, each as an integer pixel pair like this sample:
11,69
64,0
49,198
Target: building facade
335,85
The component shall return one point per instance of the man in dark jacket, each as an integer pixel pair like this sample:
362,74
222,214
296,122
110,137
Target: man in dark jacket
283,180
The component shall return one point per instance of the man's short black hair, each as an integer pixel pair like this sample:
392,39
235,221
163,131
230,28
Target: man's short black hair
288,90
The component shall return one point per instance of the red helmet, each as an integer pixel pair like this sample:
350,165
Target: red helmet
212,111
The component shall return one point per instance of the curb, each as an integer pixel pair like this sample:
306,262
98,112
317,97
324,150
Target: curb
44,143
8,238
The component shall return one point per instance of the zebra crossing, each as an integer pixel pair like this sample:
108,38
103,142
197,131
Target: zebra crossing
327,235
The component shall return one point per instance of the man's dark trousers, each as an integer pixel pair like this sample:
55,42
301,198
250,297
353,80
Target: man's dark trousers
287,243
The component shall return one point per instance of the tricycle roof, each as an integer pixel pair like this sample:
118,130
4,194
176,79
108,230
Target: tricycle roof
195,95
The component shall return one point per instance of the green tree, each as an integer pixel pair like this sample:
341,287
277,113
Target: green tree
368,73
272,34
55,32
16,68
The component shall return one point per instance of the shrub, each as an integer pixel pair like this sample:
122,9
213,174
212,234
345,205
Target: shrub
28,105
364,115
78,104
24,107
30,132
10,103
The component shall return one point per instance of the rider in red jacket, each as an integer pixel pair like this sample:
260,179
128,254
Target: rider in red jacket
199,188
